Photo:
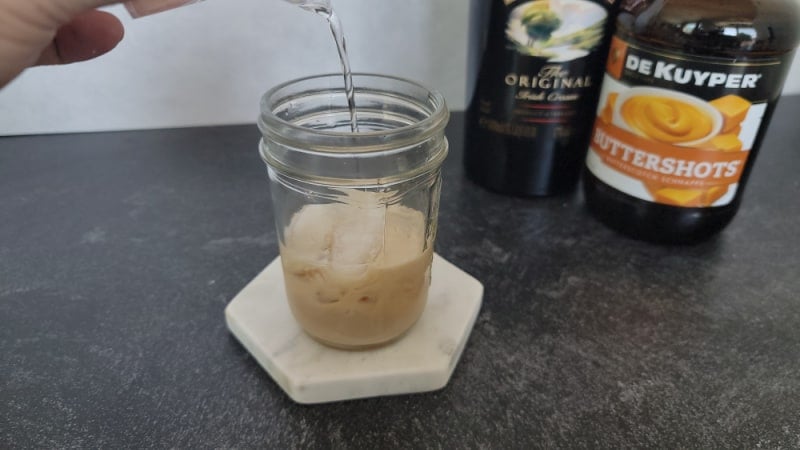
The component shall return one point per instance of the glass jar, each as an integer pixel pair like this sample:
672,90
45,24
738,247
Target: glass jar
355,213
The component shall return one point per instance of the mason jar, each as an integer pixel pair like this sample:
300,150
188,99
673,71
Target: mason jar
355,212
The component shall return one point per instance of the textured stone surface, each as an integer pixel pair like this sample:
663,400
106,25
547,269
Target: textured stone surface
118,253
422,360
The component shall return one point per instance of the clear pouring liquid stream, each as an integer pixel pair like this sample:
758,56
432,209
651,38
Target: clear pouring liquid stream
324,9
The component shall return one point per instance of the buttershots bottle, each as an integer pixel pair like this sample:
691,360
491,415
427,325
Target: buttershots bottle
689,89
530,117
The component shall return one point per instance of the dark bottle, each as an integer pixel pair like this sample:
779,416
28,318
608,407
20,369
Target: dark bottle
690,87
529,119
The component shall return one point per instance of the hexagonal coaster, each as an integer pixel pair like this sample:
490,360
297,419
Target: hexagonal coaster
422,360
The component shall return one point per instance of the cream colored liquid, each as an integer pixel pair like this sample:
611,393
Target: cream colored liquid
356,277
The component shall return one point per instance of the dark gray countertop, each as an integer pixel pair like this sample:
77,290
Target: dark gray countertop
119,252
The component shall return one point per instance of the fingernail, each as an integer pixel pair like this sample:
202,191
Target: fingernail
141,8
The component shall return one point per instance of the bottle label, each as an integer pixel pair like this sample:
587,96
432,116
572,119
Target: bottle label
678,130
537,93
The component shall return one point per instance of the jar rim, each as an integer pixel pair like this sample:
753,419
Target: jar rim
328,141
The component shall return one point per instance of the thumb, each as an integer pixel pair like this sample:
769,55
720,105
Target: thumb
88,35
28,29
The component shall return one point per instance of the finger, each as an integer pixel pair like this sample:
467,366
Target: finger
88,35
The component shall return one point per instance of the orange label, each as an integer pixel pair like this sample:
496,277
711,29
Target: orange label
676,129
672,174
669,166
616,57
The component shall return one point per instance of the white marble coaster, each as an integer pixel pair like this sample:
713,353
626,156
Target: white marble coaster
422,360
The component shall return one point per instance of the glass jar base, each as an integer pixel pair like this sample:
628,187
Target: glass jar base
350,347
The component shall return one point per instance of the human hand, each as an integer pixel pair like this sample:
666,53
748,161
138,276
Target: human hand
43,32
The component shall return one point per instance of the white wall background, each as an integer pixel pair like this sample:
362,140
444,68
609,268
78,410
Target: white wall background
209,63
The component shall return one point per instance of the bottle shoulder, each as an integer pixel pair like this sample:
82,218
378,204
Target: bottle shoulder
729,28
